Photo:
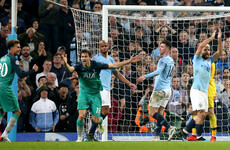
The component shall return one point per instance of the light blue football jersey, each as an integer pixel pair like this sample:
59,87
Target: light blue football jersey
105,74
163,73
201,73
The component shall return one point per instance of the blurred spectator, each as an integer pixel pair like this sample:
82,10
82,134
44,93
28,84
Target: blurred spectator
40,55
227,46
23,14
140,39
171,3
185,80
179,98
35,24
188,69
125,22
3,38
218,81
59,69
46,69
52,78
187,115
47,12
192,37
42,81
185,52
177,60
26,59
62,16
23,95
156,52
62,125
31,38
223,61
44,114
117,105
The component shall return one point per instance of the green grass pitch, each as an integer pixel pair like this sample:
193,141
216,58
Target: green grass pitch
173,145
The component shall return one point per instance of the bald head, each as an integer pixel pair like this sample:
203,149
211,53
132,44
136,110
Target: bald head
103,47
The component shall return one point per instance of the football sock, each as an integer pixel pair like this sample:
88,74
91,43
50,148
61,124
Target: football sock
1,116
10,125
193,131
213,124
199,129
160,121
80,128
190,125
94,125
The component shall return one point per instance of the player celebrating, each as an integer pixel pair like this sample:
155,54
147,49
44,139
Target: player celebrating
211,114
90,87
201,70
8,101
162,91
105,77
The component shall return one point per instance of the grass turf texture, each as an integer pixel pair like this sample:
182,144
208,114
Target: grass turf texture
163,145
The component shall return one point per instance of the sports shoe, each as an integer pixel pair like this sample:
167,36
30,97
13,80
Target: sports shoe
213,138
79,139
171,132
192,138
201,138
101,128
90,137
5,139
183,135
156,138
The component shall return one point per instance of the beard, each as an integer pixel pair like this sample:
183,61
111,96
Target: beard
205,56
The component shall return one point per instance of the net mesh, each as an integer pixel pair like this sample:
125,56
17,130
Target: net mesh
141,33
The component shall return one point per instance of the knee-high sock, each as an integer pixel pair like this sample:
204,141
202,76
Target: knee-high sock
1,116
199,129
213,124
193,131
190,125
10,125
80,128
160,121
94,125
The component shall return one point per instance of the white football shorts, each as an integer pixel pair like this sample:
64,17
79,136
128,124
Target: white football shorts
160,98
199,100
105,98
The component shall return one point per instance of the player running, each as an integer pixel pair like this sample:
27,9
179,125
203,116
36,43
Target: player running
8,101
90,87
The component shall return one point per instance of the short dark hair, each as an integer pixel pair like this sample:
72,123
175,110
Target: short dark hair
41,78
11,43
86,51
167,43
98,3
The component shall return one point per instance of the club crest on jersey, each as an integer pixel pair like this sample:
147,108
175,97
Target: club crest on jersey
89,76
17,62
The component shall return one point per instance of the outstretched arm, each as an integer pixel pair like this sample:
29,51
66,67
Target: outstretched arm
204,43
66,65
153,74
218,53
123,79
120,64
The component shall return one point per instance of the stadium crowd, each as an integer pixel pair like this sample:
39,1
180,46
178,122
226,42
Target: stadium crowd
46,31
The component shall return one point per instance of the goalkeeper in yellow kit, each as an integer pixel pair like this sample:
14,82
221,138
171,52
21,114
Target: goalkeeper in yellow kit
211,115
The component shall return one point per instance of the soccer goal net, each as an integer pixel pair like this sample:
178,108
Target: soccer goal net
140,30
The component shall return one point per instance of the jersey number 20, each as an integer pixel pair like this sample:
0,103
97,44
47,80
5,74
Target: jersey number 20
4,69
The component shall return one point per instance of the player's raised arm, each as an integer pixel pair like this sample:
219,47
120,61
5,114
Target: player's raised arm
66,65
204,43
219,51
120,64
